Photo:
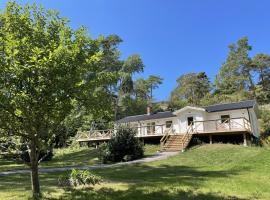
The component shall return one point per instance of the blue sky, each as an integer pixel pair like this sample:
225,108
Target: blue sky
173,37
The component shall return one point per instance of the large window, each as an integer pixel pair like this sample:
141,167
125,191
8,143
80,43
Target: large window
225,118
168,124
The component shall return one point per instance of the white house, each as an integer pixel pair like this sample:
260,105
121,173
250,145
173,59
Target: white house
176,128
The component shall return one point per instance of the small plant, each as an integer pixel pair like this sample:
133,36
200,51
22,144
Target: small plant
79,178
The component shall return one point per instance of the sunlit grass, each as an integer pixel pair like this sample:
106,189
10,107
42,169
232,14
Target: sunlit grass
69,157
209,172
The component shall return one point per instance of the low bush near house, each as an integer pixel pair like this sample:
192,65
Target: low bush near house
78,178
124,146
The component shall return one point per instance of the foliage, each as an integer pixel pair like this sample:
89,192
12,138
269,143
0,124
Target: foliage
43,155
191,88
240,77
265,122
78,178
138,98
234,74
240,72
46,69
124,146
261,63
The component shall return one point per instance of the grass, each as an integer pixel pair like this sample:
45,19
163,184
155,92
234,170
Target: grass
68,157
210,172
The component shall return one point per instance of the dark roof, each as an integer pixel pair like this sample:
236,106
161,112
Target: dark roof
230,106
136,118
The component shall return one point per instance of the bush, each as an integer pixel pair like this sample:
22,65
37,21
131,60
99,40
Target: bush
78,178
124,146
265,127
265,122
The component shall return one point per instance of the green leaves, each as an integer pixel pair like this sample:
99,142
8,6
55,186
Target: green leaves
191,89
45,66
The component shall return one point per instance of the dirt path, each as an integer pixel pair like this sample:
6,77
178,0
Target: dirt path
158,156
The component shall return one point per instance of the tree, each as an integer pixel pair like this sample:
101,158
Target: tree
144,87
261,64
190,89
45,67
236,73
153,82
125,86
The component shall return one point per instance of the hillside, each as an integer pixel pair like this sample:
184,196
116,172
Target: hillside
209,172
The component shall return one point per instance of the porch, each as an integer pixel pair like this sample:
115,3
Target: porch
206,127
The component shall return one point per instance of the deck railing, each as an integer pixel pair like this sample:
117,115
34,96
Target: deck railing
206,126
230,124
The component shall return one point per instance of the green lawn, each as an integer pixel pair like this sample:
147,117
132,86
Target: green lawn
209,172
69,157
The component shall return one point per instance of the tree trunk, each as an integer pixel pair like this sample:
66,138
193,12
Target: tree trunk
34,171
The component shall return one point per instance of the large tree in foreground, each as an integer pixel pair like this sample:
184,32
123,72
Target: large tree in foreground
45,68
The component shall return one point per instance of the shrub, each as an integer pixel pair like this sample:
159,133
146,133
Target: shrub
78,178
265,126
124,146
265,122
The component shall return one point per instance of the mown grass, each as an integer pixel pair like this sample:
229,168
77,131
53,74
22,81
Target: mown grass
209,172
68,157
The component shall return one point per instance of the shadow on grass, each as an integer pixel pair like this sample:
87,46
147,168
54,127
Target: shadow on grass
82,157
136,194
163,182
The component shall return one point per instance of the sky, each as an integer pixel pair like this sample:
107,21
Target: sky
173,37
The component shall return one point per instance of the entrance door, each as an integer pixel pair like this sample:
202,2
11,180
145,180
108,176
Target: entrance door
190,121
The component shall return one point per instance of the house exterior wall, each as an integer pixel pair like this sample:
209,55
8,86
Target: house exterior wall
182,119
254,122
236,122
203,121
160,125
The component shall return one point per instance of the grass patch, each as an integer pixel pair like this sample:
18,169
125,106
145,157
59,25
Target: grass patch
210,172
68,157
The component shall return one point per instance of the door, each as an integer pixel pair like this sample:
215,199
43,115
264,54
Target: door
190,121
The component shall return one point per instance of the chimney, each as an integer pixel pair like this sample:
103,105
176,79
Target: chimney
148,110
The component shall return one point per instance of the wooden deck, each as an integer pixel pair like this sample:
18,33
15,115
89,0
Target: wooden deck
207,127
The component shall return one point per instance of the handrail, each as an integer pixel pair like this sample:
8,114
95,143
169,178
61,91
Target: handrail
165,136
185,137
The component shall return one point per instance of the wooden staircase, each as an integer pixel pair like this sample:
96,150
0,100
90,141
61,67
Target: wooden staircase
171,142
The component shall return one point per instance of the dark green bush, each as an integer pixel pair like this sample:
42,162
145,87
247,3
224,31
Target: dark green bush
78,178
124,146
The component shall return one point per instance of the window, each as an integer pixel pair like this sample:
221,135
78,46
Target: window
225,118
148,128
168,124
151,127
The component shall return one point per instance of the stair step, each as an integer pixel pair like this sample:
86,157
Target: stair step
176,143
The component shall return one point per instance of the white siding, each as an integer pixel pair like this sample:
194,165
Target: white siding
180,123
182,119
